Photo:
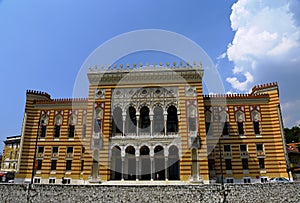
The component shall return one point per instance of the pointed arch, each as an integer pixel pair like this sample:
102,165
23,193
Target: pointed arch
172,120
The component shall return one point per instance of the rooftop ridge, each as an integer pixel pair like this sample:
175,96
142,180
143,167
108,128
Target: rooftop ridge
144,67
263,86
38,93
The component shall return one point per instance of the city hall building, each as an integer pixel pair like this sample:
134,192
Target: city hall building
152,124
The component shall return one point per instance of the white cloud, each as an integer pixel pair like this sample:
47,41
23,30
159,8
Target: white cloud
242,86
222,56
266,46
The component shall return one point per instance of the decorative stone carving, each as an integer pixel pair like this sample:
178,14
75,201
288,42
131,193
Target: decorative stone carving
190,91
99,93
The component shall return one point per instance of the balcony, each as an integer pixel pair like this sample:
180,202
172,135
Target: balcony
69,155
40,155
54,155
244,154
260,154
227,155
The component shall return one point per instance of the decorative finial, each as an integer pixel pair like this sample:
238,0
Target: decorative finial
168,64
141,64
121,66
160,63
174,63
134,65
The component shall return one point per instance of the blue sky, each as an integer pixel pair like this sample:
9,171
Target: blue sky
44,43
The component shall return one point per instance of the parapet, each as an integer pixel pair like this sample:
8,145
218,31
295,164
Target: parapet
145,67
264,86
38,93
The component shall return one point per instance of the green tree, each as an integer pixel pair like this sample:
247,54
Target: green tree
292,135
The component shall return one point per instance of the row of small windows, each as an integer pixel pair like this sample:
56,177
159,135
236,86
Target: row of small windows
56,148
228,164
72,121
68,165
243,147
223,119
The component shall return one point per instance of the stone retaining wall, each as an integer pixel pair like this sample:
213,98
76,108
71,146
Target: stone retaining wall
270,192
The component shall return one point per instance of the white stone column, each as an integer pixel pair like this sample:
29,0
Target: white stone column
151,168
122,175
137,123
166,168
165,121
124,120
137,168
151,123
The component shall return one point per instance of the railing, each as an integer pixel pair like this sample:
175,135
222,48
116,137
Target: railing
244,154
144,135
227,154
54,155
260,153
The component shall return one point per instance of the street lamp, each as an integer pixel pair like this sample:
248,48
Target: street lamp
35,149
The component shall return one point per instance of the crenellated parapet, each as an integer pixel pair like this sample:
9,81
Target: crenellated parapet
257,88
146,74
38,93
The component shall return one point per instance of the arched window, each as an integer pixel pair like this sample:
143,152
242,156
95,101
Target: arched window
172,120
84,125
158,120
131,120
256,120
117,125
208,120
159,163
144,119
72,123
57,125
224,122
116,164
173,163
44,123
130,173
98,120
145,163
192,118
240,118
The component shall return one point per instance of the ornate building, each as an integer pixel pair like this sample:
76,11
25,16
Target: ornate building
152,123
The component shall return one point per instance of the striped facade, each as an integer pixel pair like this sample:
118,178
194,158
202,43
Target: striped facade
152,124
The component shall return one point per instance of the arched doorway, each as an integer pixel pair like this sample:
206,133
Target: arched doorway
130,163
173,164
145,163
116,164
159,163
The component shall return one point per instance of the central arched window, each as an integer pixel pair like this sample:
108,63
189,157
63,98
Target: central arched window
72,123
208,121
172,120
192,118
144,119
98,120
57,125
240,118
158,120
256,119
224,123
44,123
